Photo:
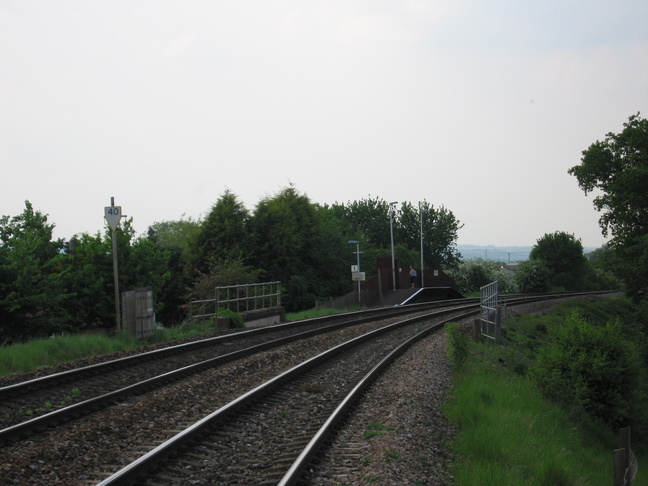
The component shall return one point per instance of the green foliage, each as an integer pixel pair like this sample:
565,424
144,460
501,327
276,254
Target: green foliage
459,345
223,235
235,319
31,291
177,238
50,287
532,276
370,223
590,367
617,168
473,274
284,231
563,257
221,274
38,353
509,435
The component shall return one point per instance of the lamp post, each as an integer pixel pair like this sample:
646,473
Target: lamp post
357,252
391,229
422,267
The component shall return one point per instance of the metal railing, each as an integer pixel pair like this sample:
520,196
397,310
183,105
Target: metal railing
238,298
491,311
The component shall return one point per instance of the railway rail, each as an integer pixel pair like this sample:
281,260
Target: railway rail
322,403
82,390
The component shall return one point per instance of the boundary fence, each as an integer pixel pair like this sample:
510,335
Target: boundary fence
238,298
491,311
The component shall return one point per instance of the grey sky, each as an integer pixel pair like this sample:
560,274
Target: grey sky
478,106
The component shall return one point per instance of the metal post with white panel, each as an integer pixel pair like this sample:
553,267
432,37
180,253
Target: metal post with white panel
113,215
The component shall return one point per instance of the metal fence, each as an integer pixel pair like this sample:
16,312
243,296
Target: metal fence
491,311
238,298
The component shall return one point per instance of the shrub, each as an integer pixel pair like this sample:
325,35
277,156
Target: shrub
235,318
589,367
458,345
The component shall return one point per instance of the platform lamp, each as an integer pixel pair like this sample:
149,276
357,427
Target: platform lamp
357,252
422,267
391,229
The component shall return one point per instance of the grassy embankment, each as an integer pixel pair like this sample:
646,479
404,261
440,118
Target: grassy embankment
508,432
20,358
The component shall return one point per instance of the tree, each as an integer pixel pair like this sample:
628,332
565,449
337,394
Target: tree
563,256
532,276
370,223
223,234
89,280
618,168
369,219
88,274
284,232
31,294
176,237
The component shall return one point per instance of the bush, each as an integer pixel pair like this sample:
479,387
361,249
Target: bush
590,368
235,318
458,345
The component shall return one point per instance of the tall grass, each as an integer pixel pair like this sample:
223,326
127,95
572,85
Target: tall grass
35,354
508,432
20,358
510,435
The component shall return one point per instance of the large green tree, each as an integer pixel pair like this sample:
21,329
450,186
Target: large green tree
178,238
284,234
88,275
31,292
562,254
223,235
369,220
617,168
439,227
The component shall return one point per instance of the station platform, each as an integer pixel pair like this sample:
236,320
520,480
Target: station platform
419,295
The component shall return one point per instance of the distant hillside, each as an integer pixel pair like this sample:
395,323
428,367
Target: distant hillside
506,254
512,254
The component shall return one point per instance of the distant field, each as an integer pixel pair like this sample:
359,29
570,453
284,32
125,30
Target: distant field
497,253
513,254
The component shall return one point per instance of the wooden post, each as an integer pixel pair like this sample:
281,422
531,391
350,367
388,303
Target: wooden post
619,467
476,329
498,324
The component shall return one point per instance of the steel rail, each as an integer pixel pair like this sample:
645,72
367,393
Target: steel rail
350,318
151,460
29,427
297,469
138,469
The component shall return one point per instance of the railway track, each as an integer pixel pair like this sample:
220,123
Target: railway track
97,445
33,405
269,435
69,453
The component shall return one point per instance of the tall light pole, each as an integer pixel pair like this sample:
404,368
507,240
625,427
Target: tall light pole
422,267
391,230
357,252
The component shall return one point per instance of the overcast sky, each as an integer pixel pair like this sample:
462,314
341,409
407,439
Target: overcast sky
479,106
